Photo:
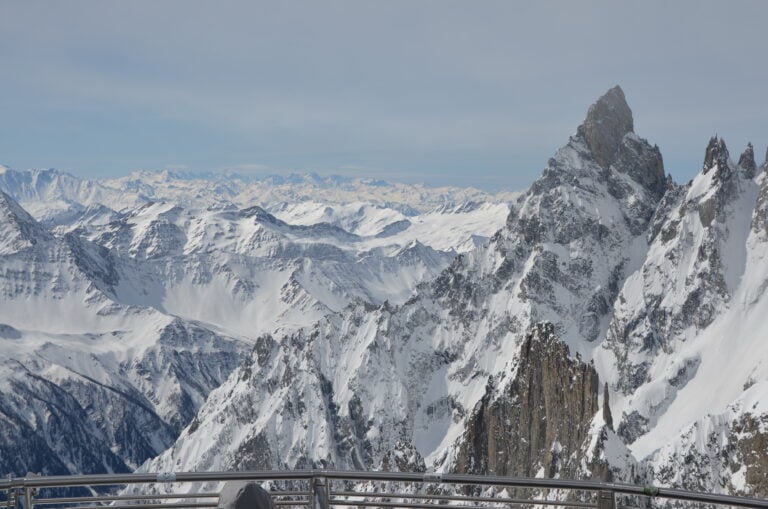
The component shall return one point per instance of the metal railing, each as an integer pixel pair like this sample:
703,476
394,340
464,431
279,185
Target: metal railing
326,489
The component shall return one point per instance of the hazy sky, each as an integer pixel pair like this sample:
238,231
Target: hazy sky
473,93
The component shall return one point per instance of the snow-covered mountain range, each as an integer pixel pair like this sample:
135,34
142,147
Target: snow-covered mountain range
610,323
612,328
55,197
120,314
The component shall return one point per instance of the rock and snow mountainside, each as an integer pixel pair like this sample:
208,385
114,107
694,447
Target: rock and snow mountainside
612,326
368,381
610,329
687,334
115,326
88,383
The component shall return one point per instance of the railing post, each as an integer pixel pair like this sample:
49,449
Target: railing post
606,499
28,497
320,495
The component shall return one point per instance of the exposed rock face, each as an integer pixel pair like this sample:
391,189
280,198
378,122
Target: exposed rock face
760,218
608,120
67,438
18,230
607,416
608,132
748,439
716,154
717,451
747,161
403,458
643,163
539,420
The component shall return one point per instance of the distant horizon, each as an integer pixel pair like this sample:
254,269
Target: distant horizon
392,178
439,92
265,174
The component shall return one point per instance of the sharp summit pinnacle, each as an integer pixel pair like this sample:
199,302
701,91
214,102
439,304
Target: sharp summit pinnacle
608,120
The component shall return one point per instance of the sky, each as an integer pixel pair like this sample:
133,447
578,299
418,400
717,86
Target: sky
441,92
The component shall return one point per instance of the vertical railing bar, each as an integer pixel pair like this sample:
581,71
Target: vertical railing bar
606,499
28,503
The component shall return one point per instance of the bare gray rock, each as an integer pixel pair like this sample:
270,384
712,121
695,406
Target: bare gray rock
538,419
716,154
747,161
608,120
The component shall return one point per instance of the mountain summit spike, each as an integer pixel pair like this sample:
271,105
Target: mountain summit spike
716,154
747,161
608,120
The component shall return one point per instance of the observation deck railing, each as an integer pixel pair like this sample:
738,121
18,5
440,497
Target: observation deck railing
330,489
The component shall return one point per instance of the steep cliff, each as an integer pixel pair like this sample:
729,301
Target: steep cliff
535,419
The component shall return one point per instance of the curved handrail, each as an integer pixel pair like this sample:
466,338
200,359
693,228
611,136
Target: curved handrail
360,475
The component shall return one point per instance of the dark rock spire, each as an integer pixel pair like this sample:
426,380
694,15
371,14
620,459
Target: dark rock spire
607,417
608,120
551,400
747,161
716,154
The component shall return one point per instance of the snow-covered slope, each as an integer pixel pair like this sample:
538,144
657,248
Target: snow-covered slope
118,324
460,227
88,383
693,358
247,272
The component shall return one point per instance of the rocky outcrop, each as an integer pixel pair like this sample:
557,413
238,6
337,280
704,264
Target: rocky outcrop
535,418
608,133
608,120
760,217
721,452
716,154
18,230
747,161
403,457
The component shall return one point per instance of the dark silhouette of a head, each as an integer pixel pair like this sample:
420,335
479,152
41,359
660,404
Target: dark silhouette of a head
248,495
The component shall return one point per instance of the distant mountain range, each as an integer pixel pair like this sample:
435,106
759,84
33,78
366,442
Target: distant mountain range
54,197
120,314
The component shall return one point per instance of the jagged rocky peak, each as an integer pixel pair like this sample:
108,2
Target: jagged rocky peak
716,154
609,138
18,230
9,209
607,122
747,161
